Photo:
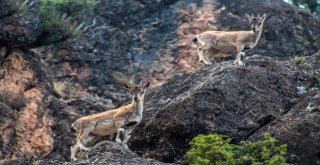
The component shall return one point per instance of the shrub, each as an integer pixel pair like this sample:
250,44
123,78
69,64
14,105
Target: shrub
208,149
59,17
297,59
217,150
301,90
59,88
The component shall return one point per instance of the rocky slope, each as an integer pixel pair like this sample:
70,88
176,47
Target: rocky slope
239,102
102,153
152,39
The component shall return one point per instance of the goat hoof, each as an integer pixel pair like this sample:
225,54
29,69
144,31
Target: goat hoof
241,63
118,141
74,158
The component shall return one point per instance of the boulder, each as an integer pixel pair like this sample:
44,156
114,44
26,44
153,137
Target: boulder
238,102
106,152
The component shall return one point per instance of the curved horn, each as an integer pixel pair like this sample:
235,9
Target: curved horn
259,15
140,83
132,83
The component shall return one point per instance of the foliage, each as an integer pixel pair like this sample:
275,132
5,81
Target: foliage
208,149
293,101
59,88
313,6
59,17
262,152
309,108
215,149
297,59
301,90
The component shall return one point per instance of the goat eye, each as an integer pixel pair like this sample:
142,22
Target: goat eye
142,92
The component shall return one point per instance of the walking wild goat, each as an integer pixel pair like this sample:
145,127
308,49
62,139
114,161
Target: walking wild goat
121,120
213,43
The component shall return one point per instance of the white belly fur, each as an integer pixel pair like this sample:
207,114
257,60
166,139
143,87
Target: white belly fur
106,127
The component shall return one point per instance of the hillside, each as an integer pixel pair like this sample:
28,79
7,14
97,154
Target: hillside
152,40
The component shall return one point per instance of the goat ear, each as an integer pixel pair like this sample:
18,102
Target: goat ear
147,85
264,16
248,16
126,86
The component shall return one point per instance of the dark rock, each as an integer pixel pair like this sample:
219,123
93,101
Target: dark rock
105,152
111,153
7,124
299,127
18,29
15,162
235,101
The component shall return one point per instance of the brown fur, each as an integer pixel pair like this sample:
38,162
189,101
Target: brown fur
121,120
224,42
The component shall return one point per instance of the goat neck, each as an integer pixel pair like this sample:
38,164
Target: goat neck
257,35
138,106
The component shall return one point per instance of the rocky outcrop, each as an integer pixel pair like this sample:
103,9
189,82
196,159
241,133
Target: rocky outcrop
239,102
25,123
300,128
104,152
111,153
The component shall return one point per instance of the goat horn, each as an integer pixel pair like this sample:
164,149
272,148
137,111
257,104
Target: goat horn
131,83
258,15
140,84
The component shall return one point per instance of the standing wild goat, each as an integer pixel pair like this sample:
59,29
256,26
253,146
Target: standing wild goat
212,43
121,121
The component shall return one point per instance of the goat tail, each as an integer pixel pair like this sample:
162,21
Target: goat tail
75,126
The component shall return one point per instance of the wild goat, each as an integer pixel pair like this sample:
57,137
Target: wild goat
212,43
121,121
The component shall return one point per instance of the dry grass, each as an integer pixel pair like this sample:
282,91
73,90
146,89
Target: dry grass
125,79
59,88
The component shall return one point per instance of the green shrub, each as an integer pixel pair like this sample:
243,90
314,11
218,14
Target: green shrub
297,59
208,149
59,17
217,150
